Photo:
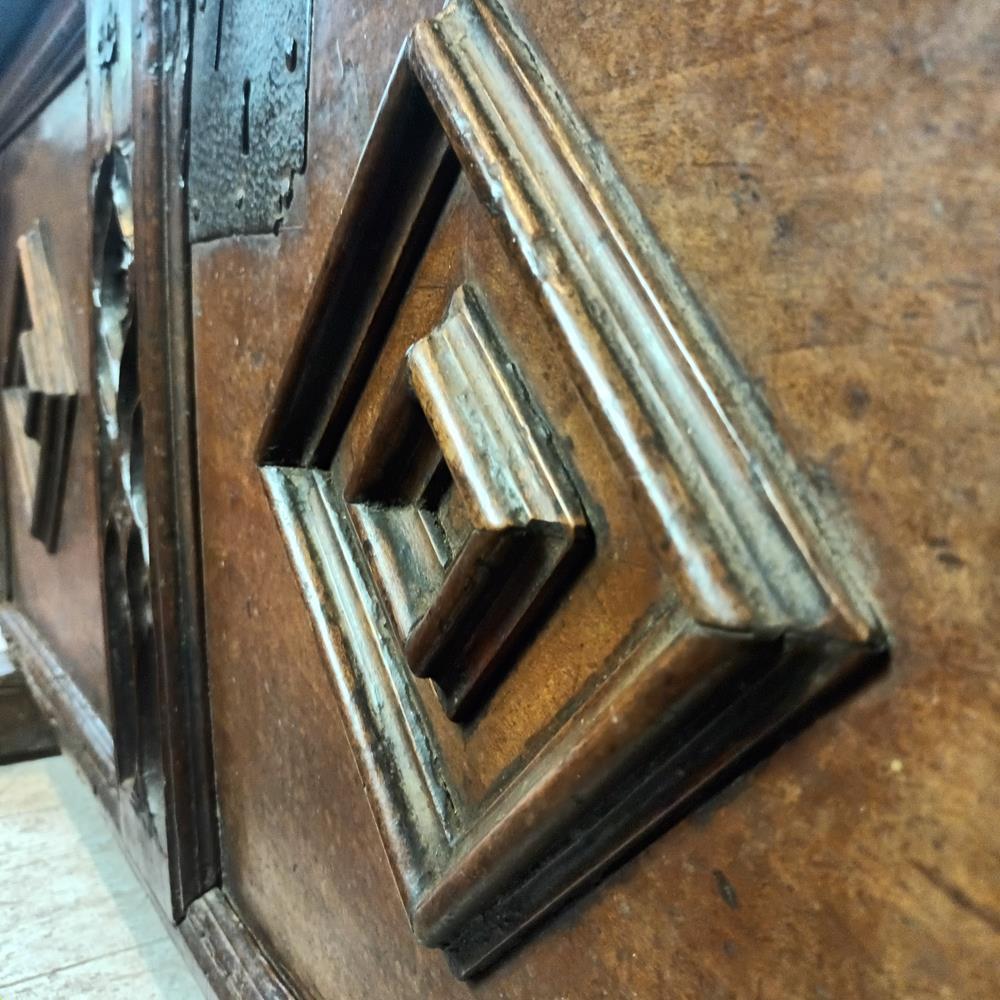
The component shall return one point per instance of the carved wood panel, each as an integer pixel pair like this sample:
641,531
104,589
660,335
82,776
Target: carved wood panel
126,557
138,64
423,545
568,572
467,515
40,389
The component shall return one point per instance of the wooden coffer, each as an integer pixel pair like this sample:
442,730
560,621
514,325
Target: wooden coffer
501,498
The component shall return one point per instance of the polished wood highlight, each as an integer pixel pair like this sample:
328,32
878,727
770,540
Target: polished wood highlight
468,517
757,617
39,388
622,377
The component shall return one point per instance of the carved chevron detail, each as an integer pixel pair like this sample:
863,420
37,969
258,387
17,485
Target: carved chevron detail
40,389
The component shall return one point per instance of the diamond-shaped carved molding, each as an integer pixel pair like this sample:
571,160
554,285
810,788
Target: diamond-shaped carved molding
466,510
760,612
40,389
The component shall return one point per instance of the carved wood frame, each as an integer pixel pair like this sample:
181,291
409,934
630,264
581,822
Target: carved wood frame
769,617
40,390
158,117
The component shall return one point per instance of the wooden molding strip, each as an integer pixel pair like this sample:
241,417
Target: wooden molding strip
162,304
82,732
48,59
651,365
227,954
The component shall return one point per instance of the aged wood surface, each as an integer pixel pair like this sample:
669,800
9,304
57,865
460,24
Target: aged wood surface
163,305
230,958
153,104
46,176
39,387
97,168
470,518
799,198
809,168
755,614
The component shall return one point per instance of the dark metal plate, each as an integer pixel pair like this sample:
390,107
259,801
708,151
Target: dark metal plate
250,76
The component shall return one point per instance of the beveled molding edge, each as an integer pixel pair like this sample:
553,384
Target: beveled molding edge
773,618
80,730
39,388
51,55
227,954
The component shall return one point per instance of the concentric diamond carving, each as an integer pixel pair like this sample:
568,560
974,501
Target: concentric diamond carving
431,545
466,511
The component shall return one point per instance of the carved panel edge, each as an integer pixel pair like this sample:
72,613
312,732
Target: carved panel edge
40,389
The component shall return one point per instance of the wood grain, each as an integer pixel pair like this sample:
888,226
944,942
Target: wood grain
820,179
46,174
40,387
783,157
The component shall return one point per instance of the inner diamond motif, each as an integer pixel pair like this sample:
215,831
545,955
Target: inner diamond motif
467,515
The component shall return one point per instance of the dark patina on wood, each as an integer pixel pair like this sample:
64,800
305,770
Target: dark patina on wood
39,389
821,174
760,617
464,509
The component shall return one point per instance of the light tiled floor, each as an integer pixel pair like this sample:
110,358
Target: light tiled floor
74,921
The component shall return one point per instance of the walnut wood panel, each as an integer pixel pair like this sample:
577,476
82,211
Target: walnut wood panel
40,389
46,177
754,619
867,840
821,175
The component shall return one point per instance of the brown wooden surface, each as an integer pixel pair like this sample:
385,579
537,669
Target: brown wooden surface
823,175
46,175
